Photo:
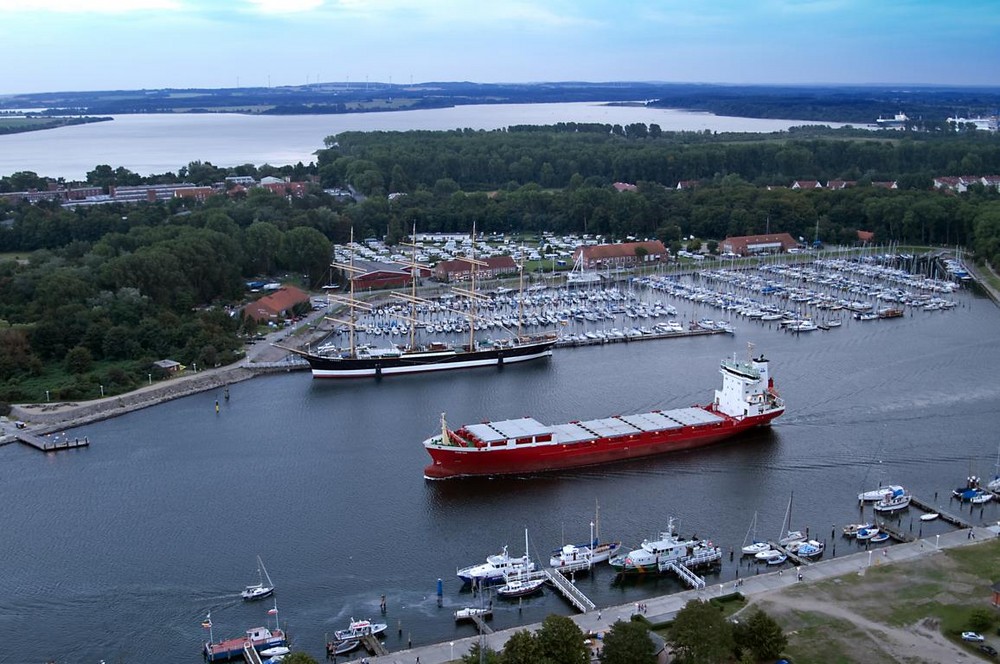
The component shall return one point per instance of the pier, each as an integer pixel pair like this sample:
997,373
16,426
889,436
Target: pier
686,575
895,533
43,445
250,654
565,342
481,624
791,556
570,591
945,516
373,645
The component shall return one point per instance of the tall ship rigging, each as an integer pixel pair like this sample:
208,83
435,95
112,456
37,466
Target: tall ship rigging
747,400
359,361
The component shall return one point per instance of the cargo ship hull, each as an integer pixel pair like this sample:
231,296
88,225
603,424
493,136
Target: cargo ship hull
746,401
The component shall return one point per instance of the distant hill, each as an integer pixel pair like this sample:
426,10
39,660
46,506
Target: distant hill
854,104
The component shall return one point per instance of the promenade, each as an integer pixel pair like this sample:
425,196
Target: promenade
665,607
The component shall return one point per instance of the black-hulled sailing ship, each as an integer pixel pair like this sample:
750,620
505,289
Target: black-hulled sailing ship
360,361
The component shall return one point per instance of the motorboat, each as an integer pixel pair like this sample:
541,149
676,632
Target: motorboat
867,533
276,651
653,554
899,500
522,585
470,612
334,648
876,495
358,629
495,569
810,549
755,548
930,516
777,560
881,537
576,556
851,529
769,555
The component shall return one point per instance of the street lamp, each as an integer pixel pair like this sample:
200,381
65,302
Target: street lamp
102,391
150,376
452,644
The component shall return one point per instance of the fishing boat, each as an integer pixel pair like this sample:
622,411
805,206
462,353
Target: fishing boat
358,629
584,556
358,361
259,590
751,546
495,569
746,401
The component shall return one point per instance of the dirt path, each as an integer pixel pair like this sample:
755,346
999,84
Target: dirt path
913,644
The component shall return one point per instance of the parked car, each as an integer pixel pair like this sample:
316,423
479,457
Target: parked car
989,650
972,636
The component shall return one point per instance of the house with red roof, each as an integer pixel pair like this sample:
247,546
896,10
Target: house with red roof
275,306
807,184
625,254
460,270
749,245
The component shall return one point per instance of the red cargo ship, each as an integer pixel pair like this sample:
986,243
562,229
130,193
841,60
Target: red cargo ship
747,400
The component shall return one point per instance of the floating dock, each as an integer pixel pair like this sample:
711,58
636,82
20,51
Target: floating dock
45,445
945,516
373,645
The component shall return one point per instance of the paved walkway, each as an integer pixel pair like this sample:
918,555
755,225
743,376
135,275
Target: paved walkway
665,607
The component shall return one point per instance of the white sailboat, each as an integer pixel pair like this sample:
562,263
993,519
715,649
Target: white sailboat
259,590
787,536
522,582
751,545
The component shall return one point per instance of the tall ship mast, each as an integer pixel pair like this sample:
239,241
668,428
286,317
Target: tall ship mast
746,401
361,361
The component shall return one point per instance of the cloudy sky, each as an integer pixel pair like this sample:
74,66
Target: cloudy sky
52,45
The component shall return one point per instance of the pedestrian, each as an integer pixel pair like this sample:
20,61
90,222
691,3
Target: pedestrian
598,614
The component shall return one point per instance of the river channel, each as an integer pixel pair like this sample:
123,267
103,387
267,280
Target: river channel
117,552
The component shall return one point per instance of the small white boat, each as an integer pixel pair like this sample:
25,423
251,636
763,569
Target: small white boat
867,533
881,537
769,555
276,651
777,560
897,501
851,529
930,516
469,612
751,545
755,548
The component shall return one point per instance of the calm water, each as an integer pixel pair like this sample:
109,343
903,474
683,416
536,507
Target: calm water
117,552
160,143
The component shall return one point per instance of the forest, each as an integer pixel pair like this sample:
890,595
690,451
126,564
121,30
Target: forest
92,296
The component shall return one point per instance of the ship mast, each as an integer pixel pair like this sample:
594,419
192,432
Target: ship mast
520,293
351,302
413,288
472,295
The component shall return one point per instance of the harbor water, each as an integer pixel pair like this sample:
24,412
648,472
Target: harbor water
118,551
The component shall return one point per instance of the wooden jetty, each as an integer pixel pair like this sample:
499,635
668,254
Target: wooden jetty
570,591
945,516
791,556
481,624
894,532
44,445
373,645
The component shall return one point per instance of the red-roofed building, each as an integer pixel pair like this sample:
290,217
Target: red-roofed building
687,184
624,186
277,305
865,236
458,270
296,189
619,255
196,193
749,245
806,184
382,278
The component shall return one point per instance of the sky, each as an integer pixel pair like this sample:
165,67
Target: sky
59,45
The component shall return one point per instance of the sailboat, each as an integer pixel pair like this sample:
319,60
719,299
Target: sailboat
361,361
751,545
994,484
522,582
259,590
788,536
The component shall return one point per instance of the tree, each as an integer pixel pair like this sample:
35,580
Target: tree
521,648
479,656
640,254
298,658
760,635
561,641
700,635
628,643
79,360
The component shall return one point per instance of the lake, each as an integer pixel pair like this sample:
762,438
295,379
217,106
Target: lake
158,143
118,552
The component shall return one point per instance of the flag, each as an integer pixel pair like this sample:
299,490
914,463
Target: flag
272,612
207,622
